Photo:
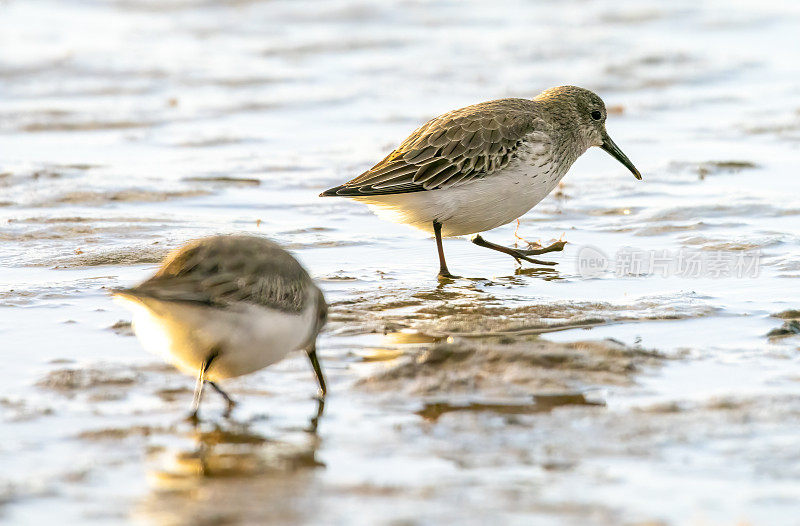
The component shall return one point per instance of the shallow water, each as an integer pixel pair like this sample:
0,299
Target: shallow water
129,127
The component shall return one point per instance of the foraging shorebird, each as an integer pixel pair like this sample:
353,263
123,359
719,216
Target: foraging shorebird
485,165
225,306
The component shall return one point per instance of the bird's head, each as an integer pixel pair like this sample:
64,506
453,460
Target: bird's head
584,114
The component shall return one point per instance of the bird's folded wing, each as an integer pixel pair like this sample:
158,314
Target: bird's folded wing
261,274
452,149
223,290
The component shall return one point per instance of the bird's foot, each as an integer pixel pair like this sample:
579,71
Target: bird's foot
314,422
523,256
193,418
444,275
230,403
535,249
519,254
229,406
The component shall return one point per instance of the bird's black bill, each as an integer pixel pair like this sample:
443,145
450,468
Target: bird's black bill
616,153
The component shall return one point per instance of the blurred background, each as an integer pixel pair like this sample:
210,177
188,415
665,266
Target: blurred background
128,127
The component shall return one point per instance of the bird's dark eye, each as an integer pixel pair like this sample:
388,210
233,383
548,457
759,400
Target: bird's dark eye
596,115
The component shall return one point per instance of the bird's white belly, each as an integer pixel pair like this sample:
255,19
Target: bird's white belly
247,337
475,206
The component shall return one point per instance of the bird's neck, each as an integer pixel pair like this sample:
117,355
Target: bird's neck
568,146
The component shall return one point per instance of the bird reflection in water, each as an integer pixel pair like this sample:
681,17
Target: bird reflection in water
235,449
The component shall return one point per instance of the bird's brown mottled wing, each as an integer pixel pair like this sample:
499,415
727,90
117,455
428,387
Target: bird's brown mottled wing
452,149
223,270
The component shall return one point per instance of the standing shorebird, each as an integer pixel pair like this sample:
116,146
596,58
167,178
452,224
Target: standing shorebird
485,165
226,306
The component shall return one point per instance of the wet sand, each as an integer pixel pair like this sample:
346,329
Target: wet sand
513,395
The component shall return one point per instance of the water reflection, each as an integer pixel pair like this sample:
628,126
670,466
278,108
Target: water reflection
540,404
236,449
409,337
232,472
545,273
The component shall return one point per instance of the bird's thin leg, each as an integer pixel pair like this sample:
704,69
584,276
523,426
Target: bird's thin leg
228,400
198,389
515,253
314,423
312,356
437,231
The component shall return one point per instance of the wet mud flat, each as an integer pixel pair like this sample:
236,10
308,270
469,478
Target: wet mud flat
490,397
440,428
495,423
